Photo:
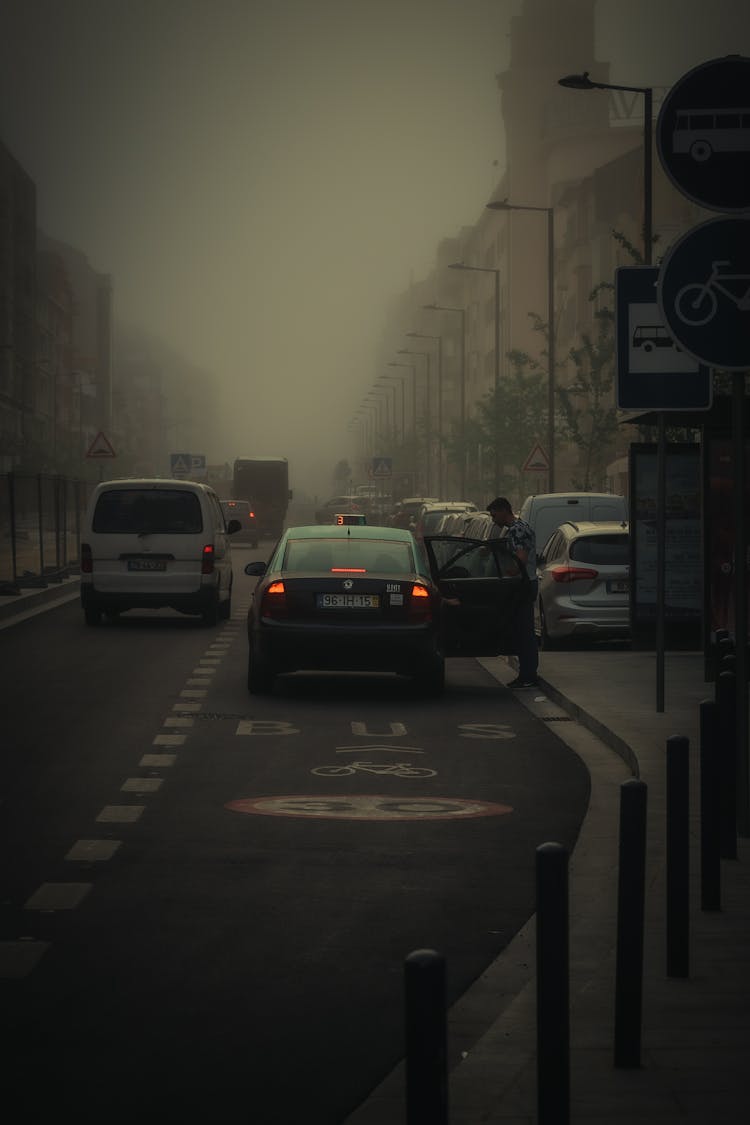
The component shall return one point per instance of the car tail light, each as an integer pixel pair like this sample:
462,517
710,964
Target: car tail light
572,573
274,601
420,603
87,559
207,564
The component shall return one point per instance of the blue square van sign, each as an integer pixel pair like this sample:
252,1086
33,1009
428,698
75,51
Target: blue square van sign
653,371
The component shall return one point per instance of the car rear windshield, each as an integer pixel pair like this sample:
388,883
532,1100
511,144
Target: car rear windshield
364,555
153,511
604,549
236,508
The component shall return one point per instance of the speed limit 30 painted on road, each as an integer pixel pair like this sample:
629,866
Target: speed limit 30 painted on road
371,806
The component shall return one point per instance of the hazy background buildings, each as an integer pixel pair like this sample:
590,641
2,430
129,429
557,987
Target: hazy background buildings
218,219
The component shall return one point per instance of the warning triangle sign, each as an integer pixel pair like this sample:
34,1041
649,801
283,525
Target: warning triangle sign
101,447
537,461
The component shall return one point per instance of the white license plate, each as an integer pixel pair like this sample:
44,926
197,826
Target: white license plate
348,601
147,564
618,587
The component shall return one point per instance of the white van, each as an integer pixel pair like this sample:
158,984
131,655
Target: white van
547,510
154,543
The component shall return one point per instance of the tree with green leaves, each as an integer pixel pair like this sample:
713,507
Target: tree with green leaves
587,414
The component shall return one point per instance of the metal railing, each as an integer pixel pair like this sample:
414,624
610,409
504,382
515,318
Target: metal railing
40,529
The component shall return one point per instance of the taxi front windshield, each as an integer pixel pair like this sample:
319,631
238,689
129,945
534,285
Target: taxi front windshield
348,556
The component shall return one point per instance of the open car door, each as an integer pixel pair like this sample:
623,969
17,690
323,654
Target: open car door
489,583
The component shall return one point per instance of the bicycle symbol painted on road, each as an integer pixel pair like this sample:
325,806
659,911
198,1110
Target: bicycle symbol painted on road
696,303
395,769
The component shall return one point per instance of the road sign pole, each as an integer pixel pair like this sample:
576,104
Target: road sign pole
740,601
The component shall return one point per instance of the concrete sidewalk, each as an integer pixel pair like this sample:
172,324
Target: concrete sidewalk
695,1057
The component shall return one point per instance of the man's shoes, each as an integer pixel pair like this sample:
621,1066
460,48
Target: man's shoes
519,682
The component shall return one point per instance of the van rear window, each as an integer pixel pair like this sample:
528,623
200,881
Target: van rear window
154,511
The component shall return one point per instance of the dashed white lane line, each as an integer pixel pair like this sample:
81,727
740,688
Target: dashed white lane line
93,850
120,814
58,896
141,785
19,958
158,760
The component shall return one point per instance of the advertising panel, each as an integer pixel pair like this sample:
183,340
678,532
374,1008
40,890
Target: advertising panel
683,569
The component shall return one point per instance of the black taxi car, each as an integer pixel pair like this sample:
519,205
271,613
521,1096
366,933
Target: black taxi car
354,597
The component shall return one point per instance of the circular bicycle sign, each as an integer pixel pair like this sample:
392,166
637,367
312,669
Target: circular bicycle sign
371,806
703,134
703,293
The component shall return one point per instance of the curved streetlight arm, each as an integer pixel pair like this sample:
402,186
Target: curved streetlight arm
583,82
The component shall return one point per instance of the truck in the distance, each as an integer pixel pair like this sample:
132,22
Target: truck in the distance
264,481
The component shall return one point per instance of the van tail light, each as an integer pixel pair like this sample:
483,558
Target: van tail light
420,603
207,563
274,601
87,559
572,573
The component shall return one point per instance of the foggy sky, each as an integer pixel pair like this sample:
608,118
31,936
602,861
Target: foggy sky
259,178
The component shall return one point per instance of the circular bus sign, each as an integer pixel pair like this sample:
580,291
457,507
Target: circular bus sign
703,134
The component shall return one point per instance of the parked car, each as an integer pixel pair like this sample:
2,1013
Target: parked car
328,511
363,598
430,515
243,511
152,543
481,526
406,510
584,583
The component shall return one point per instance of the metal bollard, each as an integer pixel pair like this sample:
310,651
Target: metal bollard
710,750
630,915
678,857
426,1039
552,981
726,699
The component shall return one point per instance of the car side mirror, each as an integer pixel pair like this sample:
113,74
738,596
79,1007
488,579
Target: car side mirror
256,569
232,526
540,560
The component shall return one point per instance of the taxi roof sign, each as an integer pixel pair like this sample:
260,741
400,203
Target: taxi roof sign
343,518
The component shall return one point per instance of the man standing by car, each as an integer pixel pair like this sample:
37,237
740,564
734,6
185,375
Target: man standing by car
523,542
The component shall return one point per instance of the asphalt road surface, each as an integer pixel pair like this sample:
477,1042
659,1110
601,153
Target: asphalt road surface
206,898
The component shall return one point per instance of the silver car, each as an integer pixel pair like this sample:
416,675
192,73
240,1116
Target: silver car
584,583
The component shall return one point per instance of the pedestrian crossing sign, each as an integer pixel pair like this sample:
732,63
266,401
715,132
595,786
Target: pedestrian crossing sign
181,465
381,467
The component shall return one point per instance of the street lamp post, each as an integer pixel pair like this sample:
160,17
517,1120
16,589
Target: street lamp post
413,368
583,82
496,272
425,336
428,435
503,205
392,421
462,409
402,380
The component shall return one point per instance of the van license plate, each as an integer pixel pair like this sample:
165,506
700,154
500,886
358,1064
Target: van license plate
618,587
147,564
